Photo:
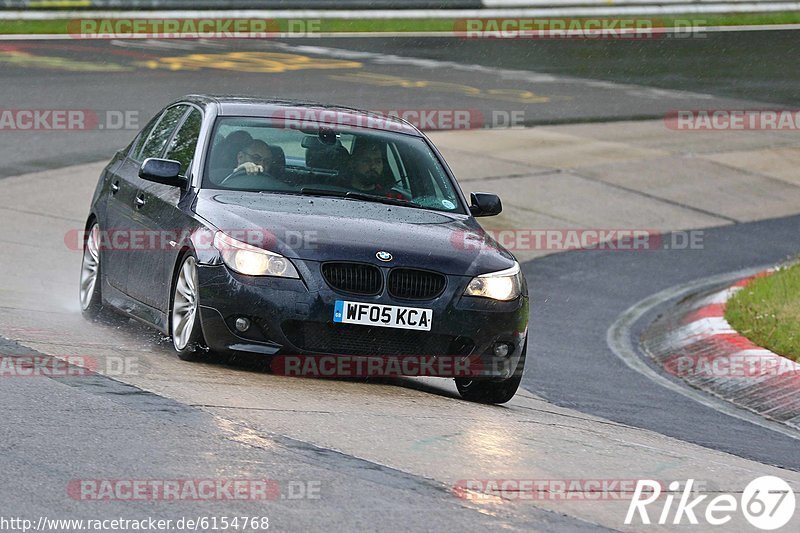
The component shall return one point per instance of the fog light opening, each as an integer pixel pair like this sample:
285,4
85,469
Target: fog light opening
502,349
242,324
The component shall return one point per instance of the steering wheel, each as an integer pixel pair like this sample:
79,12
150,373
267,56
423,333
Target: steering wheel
241,172
237,172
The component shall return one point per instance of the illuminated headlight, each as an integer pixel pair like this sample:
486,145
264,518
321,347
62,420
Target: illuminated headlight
504,285
252,261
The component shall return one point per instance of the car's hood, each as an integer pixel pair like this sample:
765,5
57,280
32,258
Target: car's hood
331,229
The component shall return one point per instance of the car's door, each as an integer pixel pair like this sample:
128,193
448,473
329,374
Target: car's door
119,208
133,218
160,215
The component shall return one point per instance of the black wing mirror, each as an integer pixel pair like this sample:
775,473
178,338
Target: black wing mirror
485,204
164,171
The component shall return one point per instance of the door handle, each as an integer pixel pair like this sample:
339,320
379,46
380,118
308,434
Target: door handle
114,188
139,201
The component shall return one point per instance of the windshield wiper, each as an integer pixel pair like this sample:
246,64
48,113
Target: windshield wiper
380,199
352,195
322,192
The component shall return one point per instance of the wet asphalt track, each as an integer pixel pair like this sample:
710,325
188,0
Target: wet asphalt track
576,296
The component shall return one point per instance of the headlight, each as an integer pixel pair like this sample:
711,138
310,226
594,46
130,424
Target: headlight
252,261
504,285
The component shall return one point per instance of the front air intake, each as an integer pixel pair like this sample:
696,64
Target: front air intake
356,278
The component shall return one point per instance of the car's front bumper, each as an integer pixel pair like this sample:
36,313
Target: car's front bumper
295,317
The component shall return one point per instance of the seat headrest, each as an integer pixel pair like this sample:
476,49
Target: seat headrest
278,167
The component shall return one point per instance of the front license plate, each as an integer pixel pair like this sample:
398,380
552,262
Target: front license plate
387,316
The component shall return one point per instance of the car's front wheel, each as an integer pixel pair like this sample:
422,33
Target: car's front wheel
187,336
90,298
487,391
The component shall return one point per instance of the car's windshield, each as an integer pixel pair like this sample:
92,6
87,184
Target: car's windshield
259,154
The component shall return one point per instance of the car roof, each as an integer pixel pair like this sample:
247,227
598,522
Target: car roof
305,111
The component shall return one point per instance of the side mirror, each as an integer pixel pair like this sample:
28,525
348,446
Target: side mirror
164,171
485,204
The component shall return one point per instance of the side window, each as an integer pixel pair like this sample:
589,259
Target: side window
139,141
182,147
161,133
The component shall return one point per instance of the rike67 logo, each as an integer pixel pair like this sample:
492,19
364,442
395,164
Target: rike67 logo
767,503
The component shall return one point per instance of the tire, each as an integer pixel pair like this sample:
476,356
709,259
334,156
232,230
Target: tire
494,392
184,315
89,295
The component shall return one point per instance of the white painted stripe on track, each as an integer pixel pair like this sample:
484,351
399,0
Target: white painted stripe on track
698,330
757,352
684,8
717,298
397,34
715,325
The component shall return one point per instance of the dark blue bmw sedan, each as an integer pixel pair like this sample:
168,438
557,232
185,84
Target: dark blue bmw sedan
298,230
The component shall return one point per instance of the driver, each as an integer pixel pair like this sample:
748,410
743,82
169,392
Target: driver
366,169
254,158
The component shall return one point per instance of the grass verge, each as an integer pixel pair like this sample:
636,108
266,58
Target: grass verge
767,311
63,26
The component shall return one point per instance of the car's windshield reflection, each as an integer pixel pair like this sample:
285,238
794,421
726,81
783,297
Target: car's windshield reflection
258,155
